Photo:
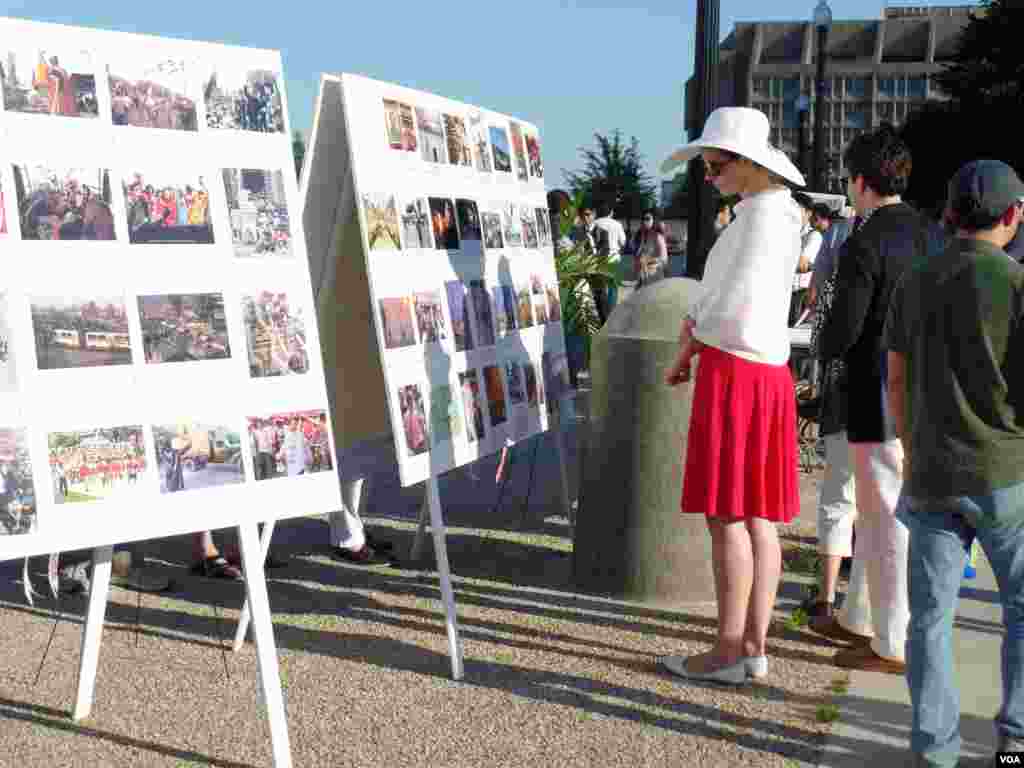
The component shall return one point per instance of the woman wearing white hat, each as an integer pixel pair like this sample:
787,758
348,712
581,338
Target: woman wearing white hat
741,464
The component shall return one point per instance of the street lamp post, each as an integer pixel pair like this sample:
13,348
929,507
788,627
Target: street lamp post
822,21
803,107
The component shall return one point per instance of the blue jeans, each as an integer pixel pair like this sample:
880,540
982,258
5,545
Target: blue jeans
941,531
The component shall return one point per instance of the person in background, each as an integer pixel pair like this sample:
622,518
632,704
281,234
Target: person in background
1014,249
609,240
584,231
955,341
810,244
651,257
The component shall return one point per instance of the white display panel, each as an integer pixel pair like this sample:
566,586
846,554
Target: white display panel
157,299
462,279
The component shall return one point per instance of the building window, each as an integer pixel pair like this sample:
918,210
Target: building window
763,106
789,114
761,87
856,87
773,114
837,113
885,110
901,112
856,117
837,87
901,87
886,87
837,138
775,88
917,87
791,88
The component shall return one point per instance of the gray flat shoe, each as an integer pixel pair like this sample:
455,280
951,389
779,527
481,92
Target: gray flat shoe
733,674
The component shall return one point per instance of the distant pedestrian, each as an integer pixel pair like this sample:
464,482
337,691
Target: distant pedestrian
609,241
650,259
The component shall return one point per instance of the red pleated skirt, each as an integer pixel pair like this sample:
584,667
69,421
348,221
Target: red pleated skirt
741,455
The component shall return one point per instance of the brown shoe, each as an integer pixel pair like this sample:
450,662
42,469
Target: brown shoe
863,658
829,626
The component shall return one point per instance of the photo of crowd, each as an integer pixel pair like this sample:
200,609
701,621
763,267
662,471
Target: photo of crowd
519,151
152,94
258,210
96,464
416,224
554,304
8,370
184,327
244,100
529,222
431,135
495,395
458,144
80,332
396,323
414,419
56,203
48,82
445,417
470,386
18,514
381,222
167,208
492,231
482,312
533,154
478,142
290,444
429,316
190,455
442,218
511,223
514,377
275,335
543,227
524,306
469,220
399,129
458,310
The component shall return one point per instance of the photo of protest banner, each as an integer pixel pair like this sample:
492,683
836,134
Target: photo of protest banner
529,223
275,335
167,207
416,224
499,145
80,331
471,405
152,94
478,142
258,210
524,306
512,225
492,231
396,322
445,417
191,455
243,99
97,463
543,227
60,203
399,128
184,327
554,304
469,220
381,212
429,316
482,312
289,444
458,143
414,419
8,369
442,218
514,377
458,310
18,514
495,395
48,81
533,153
432,146
519,150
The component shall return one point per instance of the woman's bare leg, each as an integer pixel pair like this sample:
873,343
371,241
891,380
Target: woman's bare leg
767,568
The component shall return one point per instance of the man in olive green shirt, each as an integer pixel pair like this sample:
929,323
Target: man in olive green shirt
955,340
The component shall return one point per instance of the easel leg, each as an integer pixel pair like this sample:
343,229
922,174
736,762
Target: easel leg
447,594
416,552
270,675
559,436
93,631
243,619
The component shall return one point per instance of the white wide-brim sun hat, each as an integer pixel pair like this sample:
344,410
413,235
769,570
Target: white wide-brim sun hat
742,131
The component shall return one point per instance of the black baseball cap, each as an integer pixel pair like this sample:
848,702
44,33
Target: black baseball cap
982,191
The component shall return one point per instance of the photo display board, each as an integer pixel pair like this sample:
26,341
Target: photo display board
160,366
459,255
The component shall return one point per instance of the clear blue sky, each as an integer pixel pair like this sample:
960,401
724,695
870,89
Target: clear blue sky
570,66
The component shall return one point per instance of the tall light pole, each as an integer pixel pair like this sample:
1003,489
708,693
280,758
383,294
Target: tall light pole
822,21
803,107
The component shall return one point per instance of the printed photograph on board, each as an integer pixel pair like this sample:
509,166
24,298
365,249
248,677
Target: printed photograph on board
59,203
94,464
416,224
399,128
243,99
414,419
541,308
554,304
529,223
429,316
153,94
80,331
482,312
382,222
289,444
167,207
556,376
192,455
458,143
186,327
458,310
500,149
445,417
524,305
478,142
495,395
258,211
536,284
472,406
18,514
396,322
8,369
511,225
3,210
500,318
543,227
48,81
533,153
519,151
431,135
442,219
275,335
469,220
530,377
514,377
492,231
508,300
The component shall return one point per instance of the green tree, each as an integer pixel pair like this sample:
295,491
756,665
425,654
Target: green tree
988,65
299,151
613,173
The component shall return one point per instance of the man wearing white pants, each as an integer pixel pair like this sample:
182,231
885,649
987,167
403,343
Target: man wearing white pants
350,542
